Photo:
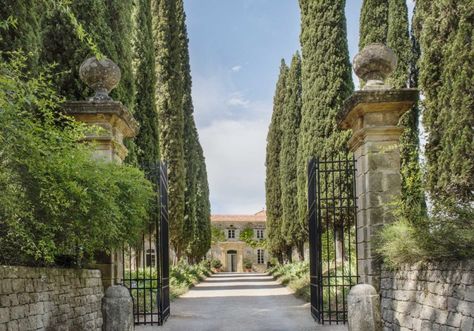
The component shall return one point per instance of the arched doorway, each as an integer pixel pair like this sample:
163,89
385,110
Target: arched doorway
231,260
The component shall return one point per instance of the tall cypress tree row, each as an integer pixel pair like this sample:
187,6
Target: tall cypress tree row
326,83
146,114
398,39
26,34
119,14
195,224
62,46
373,22
169,98
445,32
277,242
291,229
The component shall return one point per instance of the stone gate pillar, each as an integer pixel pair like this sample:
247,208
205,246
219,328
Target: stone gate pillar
373,114
110,123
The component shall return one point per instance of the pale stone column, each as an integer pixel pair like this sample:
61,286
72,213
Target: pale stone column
373,114
110,123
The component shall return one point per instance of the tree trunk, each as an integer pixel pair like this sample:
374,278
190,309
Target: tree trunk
300,248
339,242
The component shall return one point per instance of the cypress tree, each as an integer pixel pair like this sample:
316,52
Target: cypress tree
189,134
398,39
291,229
147,140
373,22
120,21
25,34
326,83
169,98
201,240
277,243
62,46
445,32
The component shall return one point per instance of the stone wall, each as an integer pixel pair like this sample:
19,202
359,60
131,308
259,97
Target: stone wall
50,299
429,297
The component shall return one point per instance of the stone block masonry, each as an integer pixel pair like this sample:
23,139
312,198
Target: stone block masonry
50,299
429,297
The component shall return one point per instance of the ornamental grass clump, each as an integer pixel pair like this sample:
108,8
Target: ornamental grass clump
57,202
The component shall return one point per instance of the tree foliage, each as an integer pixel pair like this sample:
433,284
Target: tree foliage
373,22
291,229
445,32
147,140
277,242
168,95
57,200
326,83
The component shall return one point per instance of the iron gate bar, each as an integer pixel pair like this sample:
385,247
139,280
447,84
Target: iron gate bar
147,277
332,213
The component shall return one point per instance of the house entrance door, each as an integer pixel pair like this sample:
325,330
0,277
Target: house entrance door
232,261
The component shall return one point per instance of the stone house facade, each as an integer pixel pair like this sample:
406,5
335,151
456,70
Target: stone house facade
234,252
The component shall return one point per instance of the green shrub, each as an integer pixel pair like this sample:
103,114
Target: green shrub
448,234
57,203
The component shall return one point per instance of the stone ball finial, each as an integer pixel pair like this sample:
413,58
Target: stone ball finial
100,75
374,64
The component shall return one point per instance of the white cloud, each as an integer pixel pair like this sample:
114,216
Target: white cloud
235,156
232,132
237,100
236,68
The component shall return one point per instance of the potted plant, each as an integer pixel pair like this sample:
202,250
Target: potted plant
248,265
216,265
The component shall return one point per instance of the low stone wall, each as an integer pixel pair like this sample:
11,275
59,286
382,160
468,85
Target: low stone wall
50,299
429,297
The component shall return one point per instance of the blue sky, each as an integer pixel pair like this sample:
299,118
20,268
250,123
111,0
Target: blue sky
235,48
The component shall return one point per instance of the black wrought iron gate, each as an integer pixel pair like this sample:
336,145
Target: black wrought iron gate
146,267
332,230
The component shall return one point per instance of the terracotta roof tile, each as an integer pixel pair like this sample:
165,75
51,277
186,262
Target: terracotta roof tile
261,216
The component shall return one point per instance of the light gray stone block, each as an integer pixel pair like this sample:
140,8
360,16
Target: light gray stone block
364,309
117,309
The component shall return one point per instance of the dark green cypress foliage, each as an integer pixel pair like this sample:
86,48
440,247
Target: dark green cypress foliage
189,134
373,22
445,32
398,39
169,98
119,14
25,35
196,224
277,243
326,83
201,241
291,229
146,114
62,46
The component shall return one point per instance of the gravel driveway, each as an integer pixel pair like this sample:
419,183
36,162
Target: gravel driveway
240,301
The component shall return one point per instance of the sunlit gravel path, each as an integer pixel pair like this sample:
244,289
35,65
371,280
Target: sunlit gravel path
240,301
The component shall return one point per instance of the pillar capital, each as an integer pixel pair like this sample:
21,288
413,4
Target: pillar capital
114,121
373,115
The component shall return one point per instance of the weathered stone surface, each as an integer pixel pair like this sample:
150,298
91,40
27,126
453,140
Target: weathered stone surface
434,296
117,309
50,299
364,309
374,63
100,75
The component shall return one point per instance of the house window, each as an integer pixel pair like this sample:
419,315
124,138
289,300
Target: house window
231,233
260,256
259,233
150,258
